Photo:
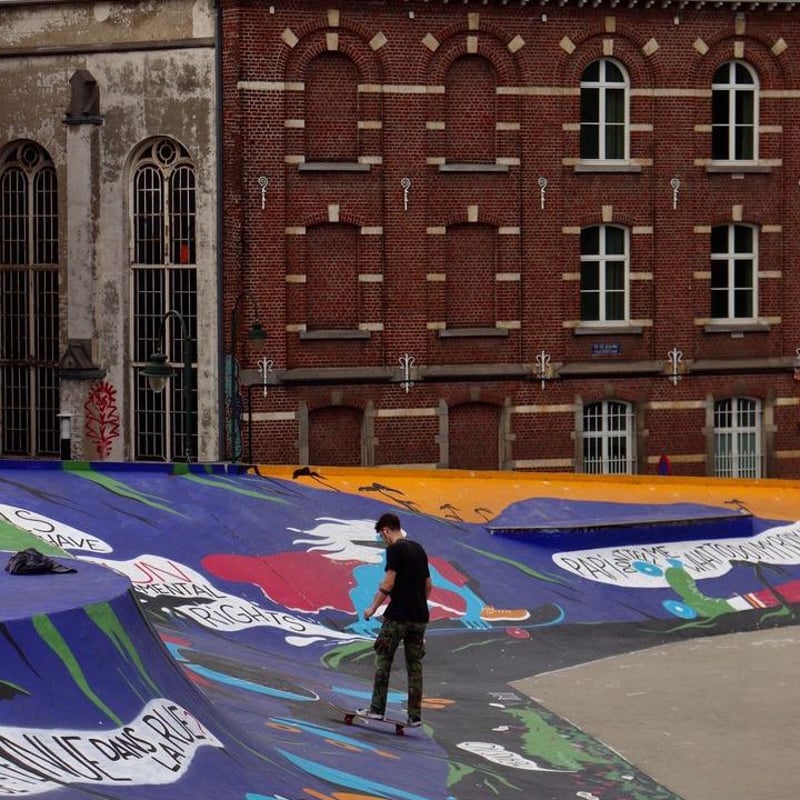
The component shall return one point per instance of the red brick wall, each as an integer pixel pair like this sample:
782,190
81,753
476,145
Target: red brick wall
470,82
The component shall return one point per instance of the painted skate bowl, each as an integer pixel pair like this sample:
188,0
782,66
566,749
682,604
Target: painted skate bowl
212,619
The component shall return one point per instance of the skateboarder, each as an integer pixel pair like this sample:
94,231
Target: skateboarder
407,584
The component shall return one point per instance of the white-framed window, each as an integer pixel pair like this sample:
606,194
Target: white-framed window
608,438
737,438
734,272
29,302
164,278
604,111
734,113
604,274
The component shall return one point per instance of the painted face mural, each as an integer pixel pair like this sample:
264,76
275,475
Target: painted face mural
215,674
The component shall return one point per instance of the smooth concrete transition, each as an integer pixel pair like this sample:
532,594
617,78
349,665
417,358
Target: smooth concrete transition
711,719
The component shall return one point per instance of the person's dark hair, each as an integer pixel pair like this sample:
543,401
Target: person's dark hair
388,520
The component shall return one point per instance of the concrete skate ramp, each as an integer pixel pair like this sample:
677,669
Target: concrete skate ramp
212,619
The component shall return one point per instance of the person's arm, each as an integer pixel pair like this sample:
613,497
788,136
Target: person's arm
428,587
384,590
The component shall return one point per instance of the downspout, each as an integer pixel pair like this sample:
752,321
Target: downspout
221,417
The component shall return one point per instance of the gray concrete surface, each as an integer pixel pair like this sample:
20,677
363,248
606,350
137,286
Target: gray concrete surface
711,719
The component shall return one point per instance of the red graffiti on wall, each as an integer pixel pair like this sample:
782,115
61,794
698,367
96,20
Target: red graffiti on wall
102,417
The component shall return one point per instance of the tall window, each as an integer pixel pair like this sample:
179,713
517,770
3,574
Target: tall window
734,266
164,274
604,274
737,438
604,111
734,113
29,390
608,443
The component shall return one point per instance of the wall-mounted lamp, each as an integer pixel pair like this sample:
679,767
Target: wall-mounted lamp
158,372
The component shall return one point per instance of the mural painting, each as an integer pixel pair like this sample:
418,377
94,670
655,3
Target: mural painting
214,616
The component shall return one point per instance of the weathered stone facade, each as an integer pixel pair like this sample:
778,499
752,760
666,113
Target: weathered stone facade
89,85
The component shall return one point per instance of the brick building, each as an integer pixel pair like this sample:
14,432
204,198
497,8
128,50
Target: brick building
560,236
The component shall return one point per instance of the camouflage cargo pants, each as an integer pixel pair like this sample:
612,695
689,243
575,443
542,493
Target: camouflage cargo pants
412,635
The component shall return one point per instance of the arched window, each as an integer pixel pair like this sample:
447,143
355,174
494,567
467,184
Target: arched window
604,274
737,438
604,112
734,113
29,319
164,279
608,441
734,271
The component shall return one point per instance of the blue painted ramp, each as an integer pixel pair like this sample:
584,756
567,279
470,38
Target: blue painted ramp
213,618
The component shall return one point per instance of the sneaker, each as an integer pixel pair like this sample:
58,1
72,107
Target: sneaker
368,713
414,721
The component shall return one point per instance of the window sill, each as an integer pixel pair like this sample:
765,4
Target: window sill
332,166
605,330
736,167
736,328
472,333
333,334
607,166
470,167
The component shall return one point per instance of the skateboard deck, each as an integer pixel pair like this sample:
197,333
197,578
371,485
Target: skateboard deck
350,715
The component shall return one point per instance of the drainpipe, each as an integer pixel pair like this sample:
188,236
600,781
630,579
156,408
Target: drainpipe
222,435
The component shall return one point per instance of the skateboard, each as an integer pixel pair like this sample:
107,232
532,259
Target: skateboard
350,715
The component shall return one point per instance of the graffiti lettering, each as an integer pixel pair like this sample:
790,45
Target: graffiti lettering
160,569
55,533
498,754
179,590
156,577
701,559
237,616
159,745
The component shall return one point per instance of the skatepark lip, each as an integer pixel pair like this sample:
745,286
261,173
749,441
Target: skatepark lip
26,596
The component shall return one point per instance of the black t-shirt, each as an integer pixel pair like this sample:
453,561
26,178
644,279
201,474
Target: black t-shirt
408,601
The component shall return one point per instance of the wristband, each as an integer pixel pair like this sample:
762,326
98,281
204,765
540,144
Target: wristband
383,591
